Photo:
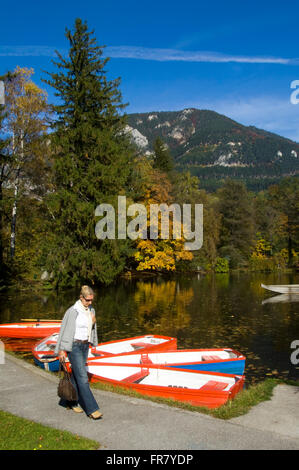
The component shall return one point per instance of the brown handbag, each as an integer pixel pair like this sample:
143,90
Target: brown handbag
66,389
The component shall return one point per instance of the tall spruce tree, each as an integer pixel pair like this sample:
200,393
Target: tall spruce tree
92,163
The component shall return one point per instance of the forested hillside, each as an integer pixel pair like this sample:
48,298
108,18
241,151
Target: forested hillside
214,147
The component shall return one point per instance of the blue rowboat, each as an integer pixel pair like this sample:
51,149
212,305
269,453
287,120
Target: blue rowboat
225,361
44,355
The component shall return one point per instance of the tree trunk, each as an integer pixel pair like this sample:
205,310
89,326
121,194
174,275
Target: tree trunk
1,225
290,251
14,221
14,207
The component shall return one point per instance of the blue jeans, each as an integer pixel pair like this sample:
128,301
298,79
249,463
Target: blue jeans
78,357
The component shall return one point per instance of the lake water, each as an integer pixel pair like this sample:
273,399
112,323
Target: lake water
223,310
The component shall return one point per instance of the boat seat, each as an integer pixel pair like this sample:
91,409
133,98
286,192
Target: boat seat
140,345
213,385
145,359
136,378
211,358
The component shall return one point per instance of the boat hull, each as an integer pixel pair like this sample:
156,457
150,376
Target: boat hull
50,366
28,330
178,387
227,367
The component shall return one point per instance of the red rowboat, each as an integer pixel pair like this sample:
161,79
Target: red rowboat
45,357
29,330
131,345
195,387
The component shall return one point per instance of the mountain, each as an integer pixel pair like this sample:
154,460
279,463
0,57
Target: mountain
214,147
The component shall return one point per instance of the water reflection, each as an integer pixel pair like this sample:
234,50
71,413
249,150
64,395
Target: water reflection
282,298
206,312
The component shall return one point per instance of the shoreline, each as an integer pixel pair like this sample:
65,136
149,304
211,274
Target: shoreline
131,423
133,275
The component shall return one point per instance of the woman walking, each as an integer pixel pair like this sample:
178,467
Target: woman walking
78,330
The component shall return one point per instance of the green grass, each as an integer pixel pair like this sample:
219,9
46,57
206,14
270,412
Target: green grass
246,399
240,405
21,434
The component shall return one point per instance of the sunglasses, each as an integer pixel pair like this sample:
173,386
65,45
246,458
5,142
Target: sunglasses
88,300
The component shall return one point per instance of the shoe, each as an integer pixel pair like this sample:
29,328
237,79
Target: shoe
76,409
96,415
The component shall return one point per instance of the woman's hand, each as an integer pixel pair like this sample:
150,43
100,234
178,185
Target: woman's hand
62,355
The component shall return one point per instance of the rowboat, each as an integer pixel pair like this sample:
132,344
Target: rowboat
199,388
283,289
131,345
226,361
45,357
29,330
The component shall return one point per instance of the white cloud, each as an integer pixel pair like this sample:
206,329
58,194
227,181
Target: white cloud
23,51
146,53
165,55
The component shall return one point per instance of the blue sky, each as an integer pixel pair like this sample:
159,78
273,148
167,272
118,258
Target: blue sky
237,58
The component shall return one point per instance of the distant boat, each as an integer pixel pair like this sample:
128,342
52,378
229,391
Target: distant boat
45,357
226,361
195,387
283,289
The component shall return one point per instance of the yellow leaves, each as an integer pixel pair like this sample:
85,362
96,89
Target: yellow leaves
150,257
262,249
284,253
160,255
25,99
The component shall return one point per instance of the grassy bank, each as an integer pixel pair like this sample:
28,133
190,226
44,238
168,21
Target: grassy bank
240,405
21,434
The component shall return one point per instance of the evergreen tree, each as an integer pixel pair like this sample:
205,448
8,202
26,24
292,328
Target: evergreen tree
237,224
162,157
284,197
92,162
